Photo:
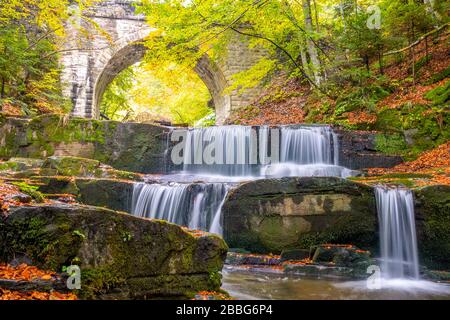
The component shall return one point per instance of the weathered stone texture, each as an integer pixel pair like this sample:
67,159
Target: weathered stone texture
126,146
120,256
357,150
277,214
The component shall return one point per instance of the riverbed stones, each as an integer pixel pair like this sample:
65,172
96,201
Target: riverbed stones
272,215
120,256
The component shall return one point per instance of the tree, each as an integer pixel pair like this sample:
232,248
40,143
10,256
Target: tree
30,34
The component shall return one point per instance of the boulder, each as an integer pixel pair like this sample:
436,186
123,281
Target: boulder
295,254
82,167
432,208
108,193
272,215
120,256
135,147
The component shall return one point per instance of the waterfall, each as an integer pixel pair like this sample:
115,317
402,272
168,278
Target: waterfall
232,150
246,151
398,240
227,153
309,145
196,206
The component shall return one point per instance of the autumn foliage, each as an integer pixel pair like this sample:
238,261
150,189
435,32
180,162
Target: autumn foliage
25,272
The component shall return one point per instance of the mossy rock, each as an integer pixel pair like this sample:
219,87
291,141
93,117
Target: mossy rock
433,226
127,146
71,166
82,167
116,252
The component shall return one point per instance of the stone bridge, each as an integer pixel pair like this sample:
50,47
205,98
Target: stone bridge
90,65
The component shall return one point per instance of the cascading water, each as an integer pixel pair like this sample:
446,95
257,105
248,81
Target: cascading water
235,153
307,151
192,205
231,156
398,240
309,145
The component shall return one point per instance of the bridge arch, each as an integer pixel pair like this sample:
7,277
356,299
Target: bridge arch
132,50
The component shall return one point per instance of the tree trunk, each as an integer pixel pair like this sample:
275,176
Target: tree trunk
430,8
2,90
316,16
304,59
412,55
312,50
380,61
366,62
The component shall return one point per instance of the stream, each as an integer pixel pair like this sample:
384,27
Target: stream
247,285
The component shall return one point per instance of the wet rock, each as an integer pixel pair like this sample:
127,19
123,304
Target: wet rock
120,256
340,255
295,254
251,259
108,193
128,146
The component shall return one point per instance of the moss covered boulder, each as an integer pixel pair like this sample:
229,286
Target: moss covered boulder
82,167
108,193
120,256
432,210
132,147
269,216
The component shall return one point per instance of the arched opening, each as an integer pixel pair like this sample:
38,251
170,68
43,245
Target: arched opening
112,64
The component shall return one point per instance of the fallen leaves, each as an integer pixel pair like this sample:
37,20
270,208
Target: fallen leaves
24,272
360,117
281,103
35,295
435,163
414,95
436,158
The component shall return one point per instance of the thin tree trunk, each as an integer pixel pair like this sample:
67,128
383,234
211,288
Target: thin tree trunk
380,61
2,90
412,55
312,50
366,62
304,59
316,16
430,8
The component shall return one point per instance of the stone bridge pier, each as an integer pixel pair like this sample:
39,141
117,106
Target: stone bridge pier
90,65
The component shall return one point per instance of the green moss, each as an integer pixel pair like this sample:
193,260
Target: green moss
7,166
96,281
434,229
32,191
439,95
393,144
431,130
71,166
356,229
48,248
439,76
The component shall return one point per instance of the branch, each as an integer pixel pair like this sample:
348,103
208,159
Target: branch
417,41
300,68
